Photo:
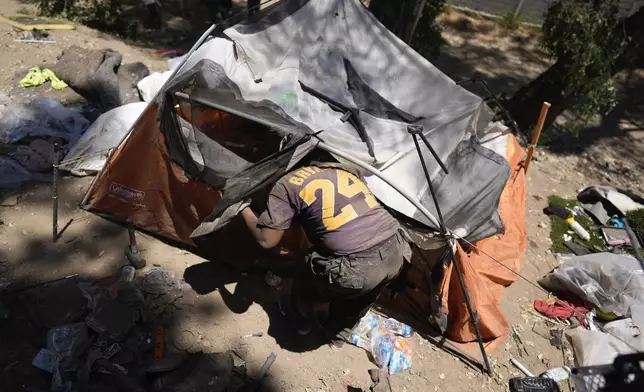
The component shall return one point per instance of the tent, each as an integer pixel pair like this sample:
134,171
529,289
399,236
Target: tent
252,100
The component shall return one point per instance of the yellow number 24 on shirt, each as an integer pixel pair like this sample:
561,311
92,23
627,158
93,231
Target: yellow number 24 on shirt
348,186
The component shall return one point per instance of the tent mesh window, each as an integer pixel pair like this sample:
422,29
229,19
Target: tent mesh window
216,144
212,133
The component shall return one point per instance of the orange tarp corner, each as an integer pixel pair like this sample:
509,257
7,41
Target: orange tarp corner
485,278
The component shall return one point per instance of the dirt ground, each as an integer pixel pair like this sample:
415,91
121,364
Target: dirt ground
211,319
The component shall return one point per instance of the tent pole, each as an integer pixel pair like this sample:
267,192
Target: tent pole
197,44
416,131
440,225
536,135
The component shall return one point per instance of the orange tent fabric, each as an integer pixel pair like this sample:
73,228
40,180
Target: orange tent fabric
484,277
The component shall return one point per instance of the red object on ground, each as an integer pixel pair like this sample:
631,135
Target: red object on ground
561,310
158,343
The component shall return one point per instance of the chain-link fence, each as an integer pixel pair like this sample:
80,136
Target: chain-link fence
530,11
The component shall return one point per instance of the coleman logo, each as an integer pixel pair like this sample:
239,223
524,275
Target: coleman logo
128,193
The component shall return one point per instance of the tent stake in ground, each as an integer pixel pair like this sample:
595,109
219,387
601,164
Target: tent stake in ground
417,131
537,134
54,193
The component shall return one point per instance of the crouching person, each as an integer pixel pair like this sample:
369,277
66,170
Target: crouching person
357,248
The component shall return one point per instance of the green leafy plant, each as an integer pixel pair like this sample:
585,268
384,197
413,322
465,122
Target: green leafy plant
584,35
559,228
100,14
426,38
636,221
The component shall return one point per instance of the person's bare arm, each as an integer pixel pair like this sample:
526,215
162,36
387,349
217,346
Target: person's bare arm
265,237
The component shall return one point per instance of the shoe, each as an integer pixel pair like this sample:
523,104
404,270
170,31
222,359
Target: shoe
336,344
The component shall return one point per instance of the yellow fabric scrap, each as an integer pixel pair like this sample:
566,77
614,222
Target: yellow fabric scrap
37,76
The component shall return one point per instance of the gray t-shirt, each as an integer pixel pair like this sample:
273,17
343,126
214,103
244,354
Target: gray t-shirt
338,212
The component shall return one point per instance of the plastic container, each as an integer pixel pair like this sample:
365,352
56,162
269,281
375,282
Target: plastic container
397,327
577,228
127,274
361,335
360,341
558,374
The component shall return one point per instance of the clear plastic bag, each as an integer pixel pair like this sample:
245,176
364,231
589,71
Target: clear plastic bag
390,352
40,117
612,282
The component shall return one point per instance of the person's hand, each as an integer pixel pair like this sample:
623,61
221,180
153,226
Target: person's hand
244,204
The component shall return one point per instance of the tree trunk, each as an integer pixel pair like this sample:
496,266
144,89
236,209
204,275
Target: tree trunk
550,86
525,104
633,55
419,7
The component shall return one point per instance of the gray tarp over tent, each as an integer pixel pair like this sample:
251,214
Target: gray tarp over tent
330,66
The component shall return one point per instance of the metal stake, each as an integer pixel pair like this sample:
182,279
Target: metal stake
415,131
54,193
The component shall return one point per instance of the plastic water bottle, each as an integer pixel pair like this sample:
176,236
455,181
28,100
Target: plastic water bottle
127,274
558,374
577,228
360,341
397,327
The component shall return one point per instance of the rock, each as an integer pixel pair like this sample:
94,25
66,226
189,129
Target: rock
97,76
543,225
179,24
441,376
10,201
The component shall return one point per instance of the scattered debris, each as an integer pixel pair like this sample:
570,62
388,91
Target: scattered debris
521,367
37,76
385,339
520,346
89,154
558,374
256,334
37,157
38,41
24,22
561,310
380,380
39,117
158,281
266,367
533,383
